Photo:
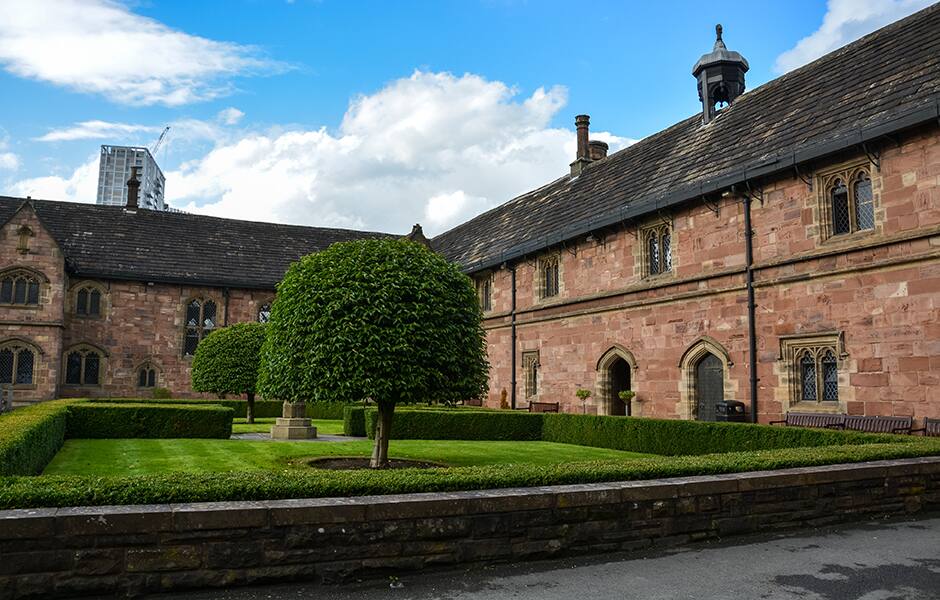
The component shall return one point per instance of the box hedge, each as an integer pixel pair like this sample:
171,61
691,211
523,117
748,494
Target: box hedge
264,409
670,437
31,436
354,420
127,420
29,492
457,424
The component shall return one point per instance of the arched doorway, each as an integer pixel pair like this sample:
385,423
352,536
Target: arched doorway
709,386
619,373
614,375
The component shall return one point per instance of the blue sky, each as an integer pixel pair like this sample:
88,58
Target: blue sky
370,115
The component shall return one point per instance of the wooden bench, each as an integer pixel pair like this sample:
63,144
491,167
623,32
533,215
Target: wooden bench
543,407
931,428
873,424
799,419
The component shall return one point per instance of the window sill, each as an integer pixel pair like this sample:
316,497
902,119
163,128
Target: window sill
660,276
847,238
21,386
818,407
22,306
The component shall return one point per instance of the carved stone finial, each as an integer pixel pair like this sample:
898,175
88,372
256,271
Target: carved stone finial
718,32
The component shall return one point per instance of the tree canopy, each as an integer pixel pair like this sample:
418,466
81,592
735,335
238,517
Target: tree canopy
226,361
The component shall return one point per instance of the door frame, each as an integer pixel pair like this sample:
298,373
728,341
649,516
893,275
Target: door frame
688,401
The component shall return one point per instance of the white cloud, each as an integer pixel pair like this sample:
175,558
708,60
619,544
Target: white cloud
230,115
844,22
81,186
8,160
432,147
86,130
99,46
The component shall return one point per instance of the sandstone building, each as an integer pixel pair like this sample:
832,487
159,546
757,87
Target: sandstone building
782,250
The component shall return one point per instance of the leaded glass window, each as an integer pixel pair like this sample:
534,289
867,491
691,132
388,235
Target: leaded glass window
530,368
817,370
88,302
484,286
658,249
548,272
83,367
851,201
830,377
264,313
808,377
200,322
19,288
147,376
17,363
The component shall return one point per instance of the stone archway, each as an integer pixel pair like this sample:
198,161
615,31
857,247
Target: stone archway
705,378
615,371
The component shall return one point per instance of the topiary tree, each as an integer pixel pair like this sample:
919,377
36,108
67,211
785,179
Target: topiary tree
387,320
226,362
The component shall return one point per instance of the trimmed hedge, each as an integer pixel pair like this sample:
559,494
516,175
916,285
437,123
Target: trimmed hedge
263,408
450,424
669,437
31,436
30,492
125,420
354,421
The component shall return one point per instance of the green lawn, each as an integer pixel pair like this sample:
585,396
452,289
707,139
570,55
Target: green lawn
142,456
264,426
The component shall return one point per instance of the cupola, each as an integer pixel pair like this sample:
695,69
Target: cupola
720,75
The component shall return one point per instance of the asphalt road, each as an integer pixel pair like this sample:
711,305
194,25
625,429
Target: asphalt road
873,561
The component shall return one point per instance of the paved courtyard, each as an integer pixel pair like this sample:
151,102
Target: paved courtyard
872,561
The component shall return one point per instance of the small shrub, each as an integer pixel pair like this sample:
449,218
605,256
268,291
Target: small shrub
162,393
125,420
354,420
460,425
263,408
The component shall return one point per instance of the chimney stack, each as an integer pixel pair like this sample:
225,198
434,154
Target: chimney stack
597,149
583,156
133,190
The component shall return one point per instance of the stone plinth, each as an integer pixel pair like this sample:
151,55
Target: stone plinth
293,425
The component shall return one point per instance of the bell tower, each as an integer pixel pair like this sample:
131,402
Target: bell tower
720,75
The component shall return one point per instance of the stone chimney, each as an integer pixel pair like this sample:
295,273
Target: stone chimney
417,235
597,149
583,156
133,190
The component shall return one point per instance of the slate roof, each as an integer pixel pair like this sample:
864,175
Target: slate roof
881,83
107,241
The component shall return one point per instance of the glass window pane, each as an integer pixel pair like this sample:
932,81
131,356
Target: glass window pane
191,341
653,251
808,377
73,368
6,291
32,297
208,314
192,313
830,377
91,368
840,208
6,366
142,378
94,303
81,302
152,378
19,291
667,251
24,367
864,203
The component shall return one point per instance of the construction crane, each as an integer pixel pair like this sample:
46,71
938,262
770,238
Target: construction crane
153,150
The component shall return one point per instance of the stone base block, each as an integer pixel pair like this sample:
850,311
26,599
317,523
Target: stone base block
293,429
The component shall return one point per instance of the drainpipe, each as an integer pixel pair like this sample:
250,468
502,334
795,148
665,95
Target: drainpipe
512,395
751,326
225,309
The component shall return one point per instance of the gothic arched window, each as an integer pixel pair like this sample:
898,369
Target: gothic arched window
851,201
549,277
19,288
88,301
146,376
200,321
17,363
658,249
818,372
83,366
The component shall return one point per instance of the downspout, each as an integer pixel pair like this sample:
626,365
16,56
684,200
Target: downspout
751,325
225,310
512,271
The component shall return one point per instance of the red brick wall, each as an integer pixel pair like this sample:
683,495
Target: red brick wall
880,289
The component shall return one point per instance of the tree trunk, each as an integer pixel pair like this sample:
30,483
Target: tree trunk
383,430
250,410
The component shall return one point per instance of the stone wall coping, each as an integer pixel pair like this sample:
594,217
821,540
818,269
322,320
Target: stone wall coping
152,518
